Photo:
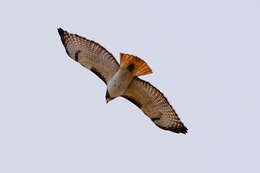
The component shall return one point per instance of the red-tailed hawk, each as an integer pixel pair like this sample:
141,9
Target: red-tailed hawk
122,80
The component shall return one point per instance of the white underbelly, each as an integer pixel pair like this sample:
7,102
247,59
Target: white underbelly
119,83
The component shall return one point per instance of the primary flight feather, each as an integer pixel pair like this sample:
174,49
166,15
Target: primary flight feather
122,80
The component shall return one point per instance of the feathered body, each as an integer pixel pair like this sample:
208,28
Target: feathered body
130,66
122,80
119,83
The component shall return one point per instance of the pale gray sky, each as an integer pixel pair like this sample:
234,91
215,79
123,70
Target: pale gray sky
205,59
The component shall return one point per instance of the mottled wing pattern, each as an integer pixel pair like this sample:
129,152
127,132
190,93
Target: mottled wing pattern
90,55
154,104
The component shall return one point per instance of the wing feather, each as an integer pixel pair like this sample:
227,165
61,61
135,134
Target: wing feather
155,105
90,55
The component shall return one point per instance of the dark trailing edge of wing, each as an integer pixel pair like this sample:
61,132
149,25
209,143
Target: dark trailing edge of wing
94,70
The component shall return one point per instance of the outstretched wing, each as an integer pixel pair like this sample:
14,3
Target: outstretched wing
90,55
154,105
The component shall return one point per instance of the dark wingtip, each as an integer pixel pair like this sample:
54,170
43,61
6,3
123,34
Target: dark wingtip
181,129
61,32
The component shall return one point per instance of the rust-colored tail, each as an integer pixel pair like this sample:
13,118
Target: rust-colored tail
134,64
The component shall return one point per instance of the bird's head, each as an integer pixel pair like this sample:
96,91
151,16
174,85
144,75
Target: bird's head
108,98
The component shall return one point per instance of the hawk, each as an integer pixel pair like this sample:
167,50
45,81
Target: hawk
122,79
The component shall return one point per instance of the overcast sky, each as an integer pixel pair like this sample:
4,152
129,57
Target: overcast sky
205,58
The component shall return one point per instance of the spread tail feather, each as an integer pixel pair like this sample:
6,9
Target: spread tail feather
134,64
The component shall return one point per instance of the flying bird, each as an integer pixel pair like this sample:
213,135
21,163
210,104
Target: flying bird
122,79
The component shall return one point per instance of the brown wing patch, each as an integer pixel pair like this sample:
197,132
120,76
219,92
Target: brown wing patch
96,72
138,104
155,119
77,55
